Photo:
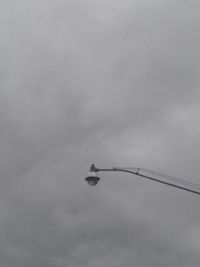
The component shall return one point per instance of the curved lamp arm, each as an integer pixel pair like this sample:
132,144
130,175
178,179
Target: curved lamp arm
93,179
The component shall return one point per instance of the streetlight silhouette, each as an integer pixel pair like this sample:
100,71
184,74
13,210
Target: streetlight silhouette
92,179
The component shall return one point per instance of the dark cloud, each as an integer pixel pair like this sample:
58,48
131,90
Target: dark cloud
110,82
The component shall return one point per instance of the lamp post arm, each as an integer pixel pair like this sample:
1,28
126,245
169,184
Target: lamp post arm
147,177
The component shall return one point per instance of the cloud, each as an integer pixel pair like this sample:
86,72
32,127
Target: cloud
110,82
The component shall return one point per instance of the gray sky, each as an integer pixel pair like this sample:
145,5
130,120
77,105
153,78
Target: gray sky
110,82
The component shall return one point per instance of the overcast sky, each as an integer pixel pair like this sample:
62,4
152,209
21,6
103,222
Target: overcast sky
110,82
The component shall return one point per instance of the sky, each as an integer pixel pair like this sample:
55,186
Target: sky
115,83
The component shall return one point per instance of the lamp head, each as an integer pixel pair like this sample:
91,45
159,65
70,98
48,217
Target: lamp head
92,178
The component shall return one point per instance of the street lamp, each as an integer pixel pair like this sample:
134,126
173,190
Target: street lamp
92,179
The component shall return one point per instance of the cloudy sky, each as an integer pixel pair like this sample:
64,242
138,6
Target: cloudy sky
110,82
